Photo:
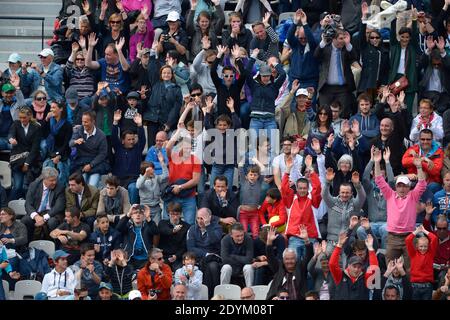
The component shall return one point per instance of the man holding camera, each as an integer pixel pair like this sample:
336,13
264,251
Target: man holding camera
155,279
336,55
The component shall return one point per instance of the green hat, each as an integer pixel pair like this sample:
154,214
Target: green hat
8,87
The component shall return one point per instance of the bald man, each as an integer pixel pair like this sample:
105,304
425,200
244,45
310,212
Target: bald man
179,292
159,146
247,294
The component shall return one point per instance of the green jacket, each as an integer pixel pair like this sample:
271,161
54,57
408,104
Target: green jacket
411,57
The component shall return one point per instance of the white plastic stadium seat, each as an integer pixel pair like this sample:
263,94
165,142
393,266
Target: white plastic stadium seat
229,291
204,292
47,246
5,174
26,288
6,289
260,292
18,206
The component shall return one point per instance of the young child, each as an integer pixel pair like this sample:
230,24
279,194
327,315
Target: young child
274,207
191,276
150,186
105,239
421,252
129,110
250,193
120,273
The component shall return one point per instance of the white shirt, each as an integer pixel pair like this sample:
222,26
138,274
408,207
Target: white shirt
26,128
402,63
280,163
90,135
54,281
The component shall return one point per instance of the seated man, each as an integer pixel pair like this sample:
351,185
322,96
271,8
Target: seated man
87,270
173,236
60,281
113,200
221,202
91,150
237,255
82,196
70,234
432,159
44,205
140,234
155,279
128,155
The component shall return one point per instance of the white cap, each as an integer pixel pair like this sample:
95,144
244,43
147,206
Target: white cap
46,52
173,16
404,180
14,57
134,294
302,91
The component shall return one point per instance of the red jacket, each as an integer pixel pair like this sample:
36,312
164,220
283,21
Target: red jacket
276,209
421,264
434,174
300,208
337,273
443,252
163,283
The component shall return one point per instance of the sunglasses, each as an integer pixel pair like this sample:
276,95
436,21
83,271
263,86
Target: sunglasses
283,298
228,75
426,139
374,37
79,59
193,95
40,98
441,228
158,259
115,22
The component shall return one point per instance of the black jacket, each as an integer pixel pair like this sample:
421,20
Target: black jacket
210,201
62,139
148,231
347,290
56,198
278,269
172,243
26,142
243,40
236,255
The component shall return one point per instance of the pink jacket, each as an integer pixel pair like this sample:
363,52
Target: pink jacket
130,5
147,38
401,212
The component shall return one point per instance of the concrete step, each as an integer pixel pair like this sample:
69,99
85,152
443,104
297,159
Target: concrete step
37,8
12,31
22,44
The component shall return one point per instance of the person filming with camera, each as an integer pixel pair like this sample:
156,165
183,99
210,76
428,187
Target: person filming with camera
155,279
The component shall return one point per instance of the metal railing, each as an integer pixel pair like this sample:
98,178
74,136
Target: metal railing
42,19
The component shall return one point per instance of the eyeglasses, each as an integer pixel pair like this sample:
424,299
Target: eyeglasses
374,37
228,75
442,229
79,59
157,259
425,139
209,62
115,22
193,95
40,98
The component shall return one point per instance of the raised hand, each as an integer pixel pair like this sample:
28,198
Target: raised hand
369,242
330,174
330,140
308,161
236,51
295,86
365,223
75,46
230,104
271,235
82,42
117,115
104,6
429,208
206,43
441,44
342,239
295,149
14,79
138,119
355,127
414,13
92,40
345,127
355,177
419,229
354,220
255,53
209,104
266,18
216,2
387,154
193,4
120,44
297,16
170,61
417,161
377,155
430,42
303,232
315,145
86,6
221,50
351,142
401,97
347,38
364,9
119,5
399,264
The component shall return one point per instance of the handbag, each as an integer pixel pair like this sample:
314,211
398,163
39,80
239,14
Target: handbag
398,85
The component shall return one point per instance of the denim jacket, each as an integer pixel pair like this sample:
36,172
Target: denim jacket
53,82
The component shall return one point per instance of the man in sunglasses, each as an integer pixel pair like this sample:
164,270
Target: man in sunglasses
155,279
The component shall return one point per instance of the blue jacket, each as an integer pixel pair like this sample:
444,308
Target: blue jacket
53,82
264,95
361,147
206,243
369,126
127,161
108,242
441,201
303,65
38,265
152,156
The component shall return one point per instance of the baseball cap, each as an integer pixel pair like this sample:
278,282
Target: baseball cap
301,91
173,16
146,51
14,57
71,95
7,87
133,95
41,296
404,180
355,260
134,295
265,70
60,254
46,52
105,285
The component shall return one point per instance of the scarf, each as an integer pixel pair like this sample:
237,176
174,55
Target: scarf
113,205
54,129
39,111
424,123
